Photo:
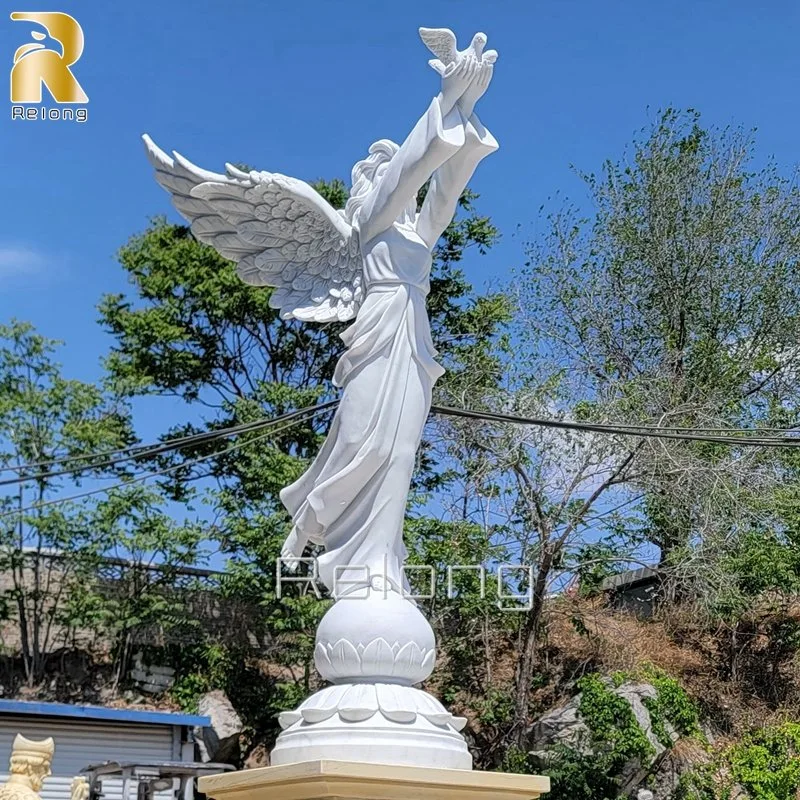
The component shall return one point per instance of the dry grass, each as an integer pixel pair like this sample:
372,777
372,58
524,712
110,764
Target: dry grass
585,635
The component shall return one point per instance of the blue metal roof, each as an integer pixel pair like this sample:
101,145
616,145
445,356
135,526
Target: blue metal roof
123,715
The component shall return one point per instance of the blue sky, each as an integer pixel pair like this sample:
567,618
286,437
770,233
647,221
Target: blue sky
305,87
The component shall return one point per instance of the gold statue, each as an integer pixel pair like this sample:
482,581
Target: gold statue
30,765
79,789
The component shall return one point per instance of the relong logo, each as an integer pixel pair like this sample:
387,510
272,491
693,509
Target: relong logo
47,61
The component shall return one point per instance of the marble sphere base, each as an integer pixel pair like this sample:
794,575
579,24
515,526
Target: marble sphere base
347,780
373,646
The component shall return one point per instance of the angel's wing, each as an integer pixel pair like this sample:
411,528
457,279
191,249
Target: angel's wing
279,230
441,42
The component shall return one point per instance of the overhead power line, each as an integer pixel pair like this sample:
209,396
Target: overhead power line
155,474
645,431
141,453
748,437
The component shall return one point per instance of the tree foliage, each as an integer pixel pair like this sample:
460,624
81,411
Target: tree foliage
673,303
671,300
53,550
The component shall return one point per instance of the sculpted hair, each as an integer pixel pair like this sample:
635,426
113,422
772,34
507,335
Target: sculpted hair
362,177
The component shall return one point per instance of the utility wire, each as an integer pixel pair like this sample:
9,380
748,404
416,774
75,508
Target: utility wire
643,431
145,451
144,448
294,417
138,451
619,430
173,444
148,475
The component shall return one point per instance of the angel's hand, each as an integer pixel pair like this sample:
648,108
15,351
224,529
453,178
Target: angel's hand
476,89
293,549
456,80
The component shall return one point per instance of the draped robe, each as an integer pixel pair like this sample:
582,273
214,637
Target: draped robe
352,499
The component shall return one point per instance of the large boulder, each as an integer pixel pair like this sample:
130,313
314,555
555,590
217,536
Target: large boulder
560,726
564,726
682,757
219,742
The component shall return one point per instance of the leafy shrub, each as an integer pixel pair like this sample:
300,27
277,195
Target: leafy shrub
701,783
257,699
767,762
672,704
617,737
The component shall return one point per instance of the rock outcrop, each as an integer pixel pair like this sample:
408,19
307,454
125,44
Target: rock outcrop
219,742
654,779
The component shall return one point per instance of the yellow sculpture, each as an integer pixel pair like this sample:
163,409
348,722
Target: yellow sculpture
30,765
79,789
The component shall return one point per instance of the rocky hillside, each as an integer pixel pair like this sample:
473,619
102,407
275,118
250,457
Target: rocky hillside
664,708
669,707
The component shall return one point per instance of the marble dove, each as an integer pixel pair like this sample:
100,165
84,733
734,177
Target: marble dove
442,43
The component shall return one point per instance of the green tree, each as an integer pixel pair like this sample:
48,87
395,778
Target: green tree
674,303
64,556
141,591
48,551
678,303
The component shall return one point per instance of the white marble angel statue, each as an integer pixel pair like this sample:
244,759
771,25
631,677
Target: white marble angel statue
371,261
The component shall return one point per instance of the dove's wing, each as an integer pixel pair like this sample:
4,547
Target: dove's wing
278,230
441,42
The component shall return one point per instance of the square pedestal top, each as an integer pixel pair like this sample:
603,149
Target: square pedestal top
352,780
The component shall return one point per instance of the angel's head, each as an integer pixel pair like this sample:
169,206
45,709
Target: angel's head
367,173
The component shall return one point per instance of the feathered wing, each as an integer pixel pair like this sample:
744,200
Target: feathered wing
278,230
441,42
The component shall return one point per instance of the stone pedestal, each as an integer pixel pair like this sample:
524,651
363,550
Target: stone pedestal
347,780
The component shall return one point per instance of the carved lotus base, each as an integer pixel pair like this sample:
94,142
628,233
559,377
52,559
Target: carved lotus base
373,646
361,701
380,637
375,723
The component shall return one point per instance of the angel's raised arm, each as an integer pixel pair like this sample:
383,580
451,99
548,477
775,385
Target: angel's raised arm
434,139
450,180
